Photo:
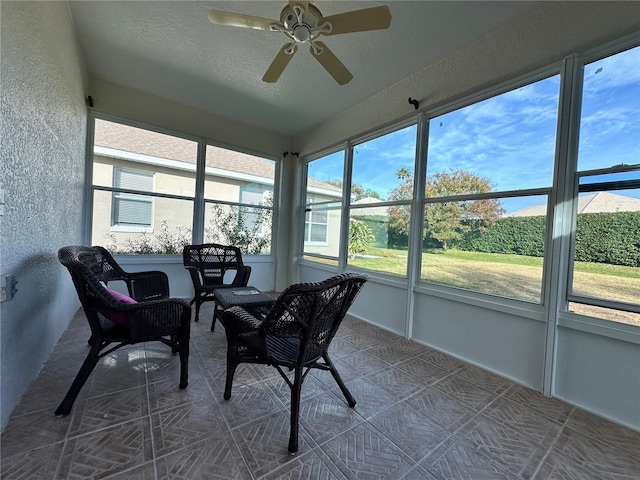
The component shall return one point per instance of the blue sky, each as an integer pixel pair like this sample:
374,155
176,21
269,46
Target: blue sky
510,139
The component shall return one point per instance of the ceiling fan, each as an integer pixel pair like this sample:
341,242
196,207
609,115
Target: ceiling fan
302,23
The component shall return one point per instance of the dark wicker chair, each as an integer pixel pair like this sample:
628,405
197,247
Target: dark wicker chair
116,319
294,335
209,264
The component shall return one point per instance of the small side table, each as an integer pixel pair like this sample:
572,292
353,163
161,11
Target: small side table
249,298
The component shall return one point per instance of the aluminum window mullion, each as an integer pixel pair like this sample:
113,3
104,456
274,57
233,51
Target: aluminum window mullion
343,248
562,205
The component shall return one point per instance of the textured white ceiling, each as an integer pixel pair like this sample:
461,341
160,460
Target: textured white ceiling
170,49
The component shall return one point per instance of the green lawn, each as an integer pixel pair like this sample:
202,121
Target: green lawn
513,276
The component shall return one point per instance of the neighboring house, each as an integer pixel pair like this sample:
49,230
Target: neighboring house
601,202
136,159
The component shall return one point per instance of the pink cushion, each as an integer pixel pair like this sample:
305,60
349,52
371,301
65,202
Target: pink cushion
115,316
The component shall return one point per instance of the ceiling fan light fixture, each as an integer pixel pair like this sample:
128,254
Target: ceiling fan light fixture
302,23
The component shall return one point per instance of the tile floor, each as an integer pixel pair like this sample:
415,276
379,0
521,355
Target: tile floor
420,415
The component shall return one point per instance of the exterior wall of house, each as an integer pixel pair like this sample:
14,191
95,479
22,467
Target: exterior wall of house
43,123
176,213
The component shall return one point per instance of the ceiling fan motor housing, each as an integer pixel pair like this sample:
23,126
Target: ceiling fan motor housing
302,25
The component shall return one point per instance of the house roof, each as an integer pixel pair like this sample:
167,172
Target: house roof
125,138
601,202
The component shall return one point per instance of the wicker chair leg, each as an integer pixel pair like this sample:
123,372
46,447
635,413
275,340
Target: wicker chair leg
336,376
231,369
295,411
184,363
198,303
85,370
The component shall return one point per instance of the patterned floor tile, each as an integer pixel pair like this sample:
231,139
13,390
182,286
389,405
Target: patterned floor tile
313,465
36,464
456,460
214,459
551,408
148,471
422,371
390,353
359,364
107,452
396,382
95,413
325,416
263,443
413,432
487,380
445,410
363,453
32,430
468,392
185,426
603,430
248,403
599,457
168,394
370,398
524,420
515,452
341,346
442,360
131,421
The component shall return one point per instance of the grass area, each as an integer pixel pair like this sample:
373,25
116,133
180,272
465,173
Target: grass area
513,276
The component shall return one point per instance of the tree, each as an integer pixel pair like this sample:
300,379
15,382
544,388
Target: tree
360,237
446,221
248,228
357,191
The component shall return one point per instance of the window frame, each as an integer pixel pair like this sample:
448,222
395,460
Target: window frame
197,199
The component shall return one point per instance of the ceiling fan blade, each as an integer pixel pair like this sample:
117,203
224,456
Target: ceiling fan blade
279,64
376,18
239,20
332,65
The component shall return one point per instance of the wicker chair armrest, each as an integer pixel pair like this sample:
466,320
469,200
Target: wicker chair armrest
156,317
239,321
150,285
242,276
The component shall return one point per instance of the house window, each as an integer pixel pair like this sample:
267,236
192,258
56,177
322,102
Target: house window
605,265
130,211
315,227
489,176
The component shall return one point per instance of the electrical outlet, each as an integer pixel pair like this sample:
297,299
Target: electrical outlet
7,287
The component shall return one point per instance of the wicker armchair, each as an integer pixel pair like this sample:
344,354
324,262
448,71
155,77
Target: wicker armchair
208,265
294,335
147,315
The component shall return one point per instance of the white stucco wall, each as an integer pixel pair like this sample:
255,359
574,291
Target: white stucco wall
43,119
124,102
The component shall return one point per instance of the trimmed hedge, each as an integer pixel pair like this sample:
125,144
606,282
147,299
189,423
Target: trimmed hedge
516,235
612,238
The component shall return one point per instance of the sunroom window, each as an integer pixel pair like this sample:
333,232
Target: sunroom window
605,266
489,177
